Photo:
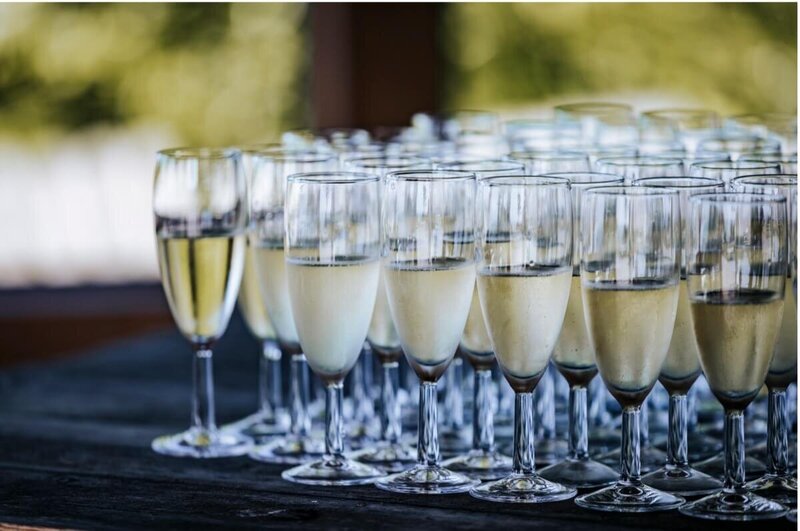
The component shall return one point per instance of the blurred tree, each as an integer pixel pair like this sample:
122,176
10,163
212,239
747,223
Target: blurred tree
734,57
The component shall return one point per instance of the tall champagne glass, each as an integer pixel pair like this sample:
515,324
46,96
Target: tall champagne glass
429,268
727,171
200,207
738,145
630,268
271,168
737,265
574,358
332,261
779,483
525,269
540,162
687,126
787,163
598,122
780,126
632,168
682,366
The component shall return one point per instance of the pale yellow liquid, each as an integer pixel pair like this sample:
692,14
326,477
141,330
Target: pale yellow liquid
250,303
332,306
201,277
475,337
430,307
736,340
524,313
382,331
574,348
683,360
630,329
785,357
271,267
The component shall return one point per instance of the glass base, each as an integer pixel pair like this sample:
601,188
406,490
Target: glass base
604,440
580,473
455,442
701,446
629,498
734,505
202,445
426,479
332,471
482,465
715,467
781,489
550,451
523,488
792,516
260,426
651,458
684,481
388,457
289,450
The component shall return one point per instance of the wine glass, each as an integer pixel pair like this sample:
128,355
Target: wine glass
728,170
200,207
687,126
332,264
524,275
682,366
541,162
630,268
631,168
271,167
737,265
429,269
779,126
737,146
574,358
390,453
779,484
597,123
787,163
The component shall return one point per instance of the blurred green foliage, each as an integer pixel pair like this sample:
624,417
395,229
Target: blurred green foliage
733,57
213,73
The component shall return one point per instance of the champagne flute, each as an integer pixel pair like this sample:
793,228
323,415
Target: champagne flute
428,221
598,123
787,163
200,207
729,170
682,366
630,268
632,168
737,265
271,167
332,261
574,358
687,126
525,268
780,126
737,146
541,162
779,484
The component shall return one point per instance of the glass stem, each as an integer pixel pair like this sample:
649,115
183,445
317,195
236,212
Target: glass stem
545,407
428,438
677,441
777,433
454,398
334,423
524,462
578,423
644,422
391,428
269,379
734,451
298,396
203,392
630,463
482,414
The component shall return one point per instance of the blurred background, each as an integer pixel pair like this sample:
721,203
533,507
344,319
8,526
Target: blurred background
89,92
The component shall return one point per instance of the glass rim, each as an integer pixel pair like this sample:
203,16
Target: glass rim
699,182
629,190
501,165
430,175
525,180
766,156
738,198
200,153
589,107
555,154
332,177
359,161
780,179
735,137
647,160
680,111
610,178
279,152
734,165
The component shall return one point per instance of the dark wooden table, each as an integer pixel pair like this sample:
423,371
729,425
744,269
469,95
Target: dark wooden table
75,452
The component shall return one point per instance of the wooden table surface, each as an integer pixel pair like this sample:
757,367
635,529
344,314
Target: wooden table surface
75,452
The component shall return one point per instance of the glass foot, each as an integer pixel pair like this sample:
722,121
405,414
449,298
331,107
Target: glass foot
426,479
333,470
482,465
550,451
580,473
684,481
792,516
289,450
651,458
781,489
701,446
734,505
604,440
523,488
389,457
715,467
260,426
629,498
203,444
